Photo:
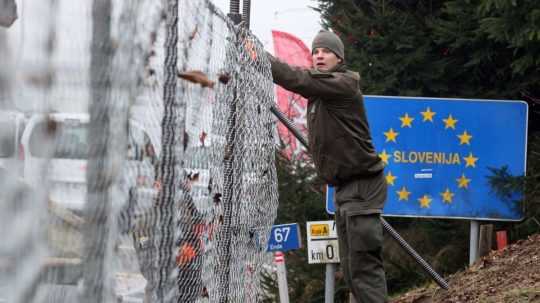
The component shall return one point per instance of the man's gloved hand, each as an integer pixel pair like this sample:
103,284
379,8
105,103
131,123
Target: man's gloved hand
251,48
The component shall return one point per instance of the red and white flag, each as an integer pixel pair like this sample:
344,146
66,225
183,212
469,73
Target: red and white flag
292,51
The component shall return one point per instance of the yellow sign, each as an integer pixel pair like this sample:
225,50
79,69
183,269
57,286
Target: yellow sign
320,230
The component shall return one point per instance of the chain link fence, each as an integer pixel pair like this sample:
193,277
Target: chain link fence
137,154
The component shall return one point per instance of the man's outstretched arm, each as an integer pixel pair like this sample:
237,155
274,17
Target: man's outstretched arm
307,82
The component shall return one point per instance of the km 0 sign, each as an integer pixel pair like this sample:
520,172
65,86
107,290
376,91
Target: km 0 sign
322,242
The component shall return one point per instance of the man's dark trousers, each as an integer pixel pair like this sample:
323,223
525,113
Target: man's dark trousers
359,204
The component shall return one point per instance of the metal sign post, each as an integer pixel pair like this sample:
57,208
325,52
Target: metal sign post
330,283
279,259
473,246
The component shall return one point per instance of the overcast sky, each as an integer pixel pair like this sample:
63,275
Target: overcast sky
291,16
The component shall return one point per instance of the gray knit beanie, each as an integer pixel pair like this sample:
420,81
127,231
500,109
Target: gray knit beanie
331,41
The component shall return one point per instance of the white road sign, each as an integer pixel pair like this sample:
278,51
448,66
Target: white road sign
322,242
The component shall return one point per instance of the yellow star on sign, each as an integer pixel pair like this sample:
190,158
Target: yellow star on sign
463,182
450,122
470,160
425,201
465,138
384,157
406,120
403,194
428,115
391,135
390,178
447,196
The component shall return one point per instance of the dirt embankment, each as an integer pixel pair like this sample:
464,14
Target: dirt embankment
510,275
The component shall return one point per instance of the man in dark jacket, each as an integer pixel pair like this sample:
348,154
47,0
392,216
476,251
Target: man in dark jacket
342,150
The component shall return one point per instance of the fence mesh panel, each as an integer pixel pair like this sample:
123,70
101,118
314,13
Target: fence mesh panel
137,154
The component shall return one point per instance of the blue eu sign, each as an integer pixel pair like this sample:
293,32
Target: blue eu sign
439,155
284,237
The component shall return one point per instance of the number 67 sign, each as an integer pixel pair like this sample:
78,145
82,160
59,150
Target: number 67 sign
284,237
